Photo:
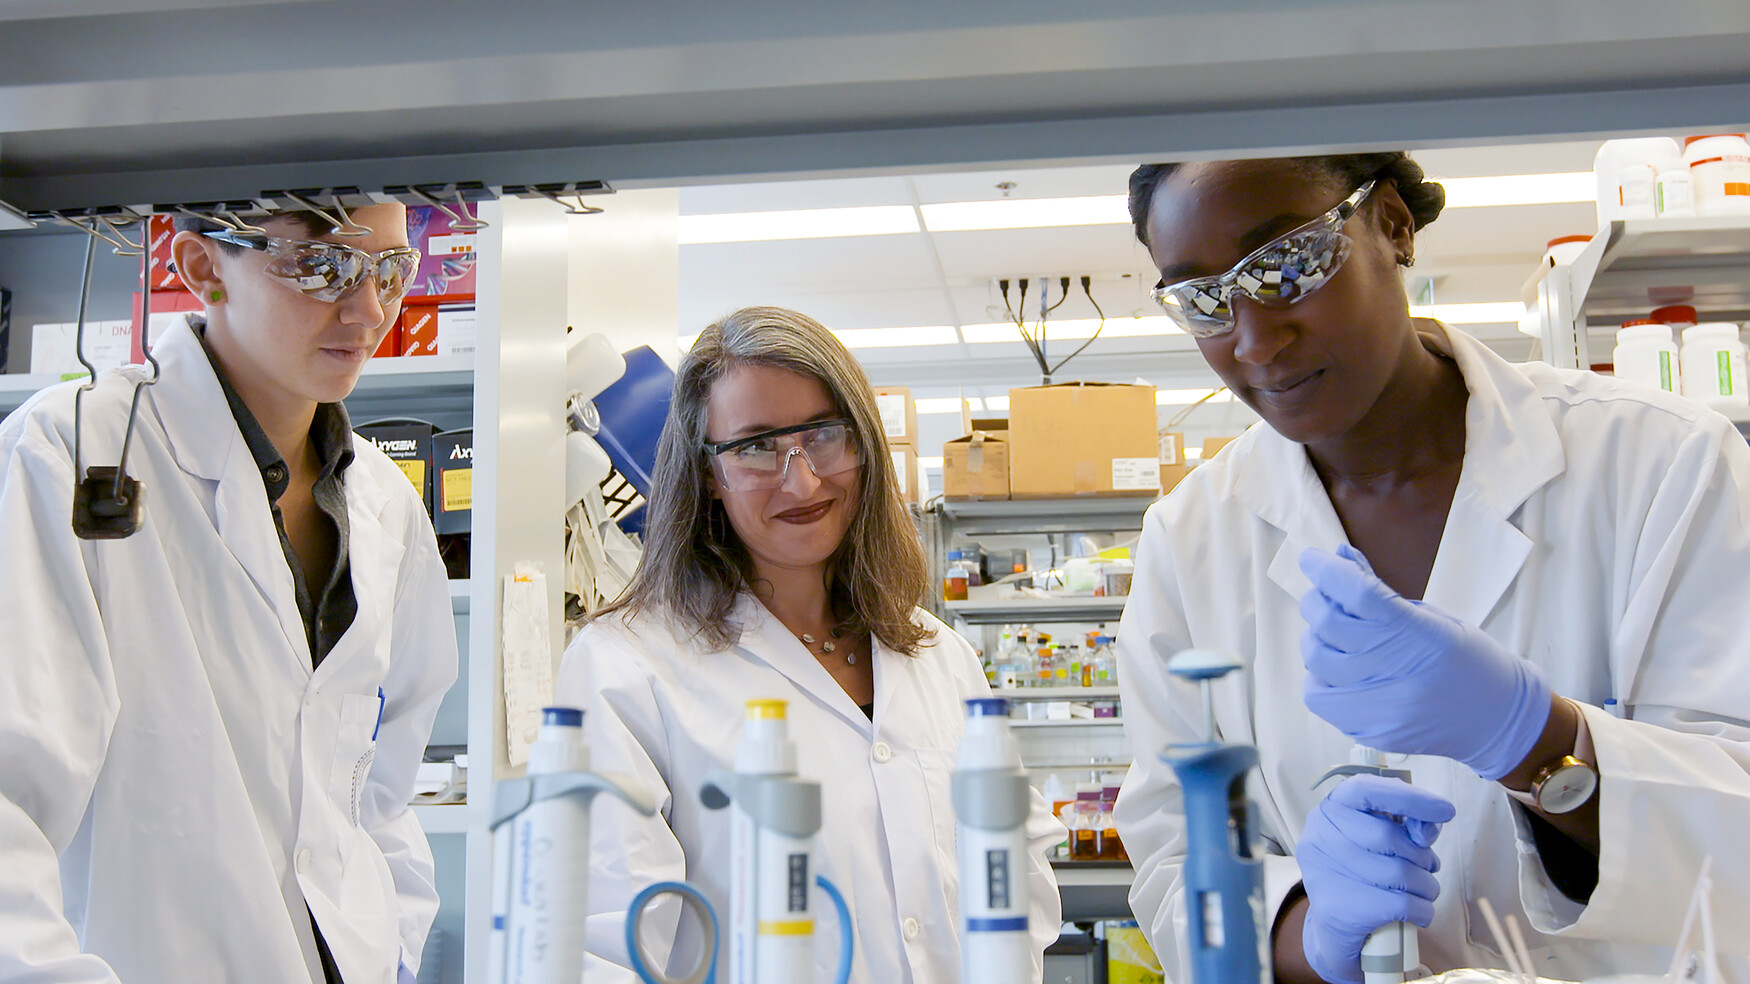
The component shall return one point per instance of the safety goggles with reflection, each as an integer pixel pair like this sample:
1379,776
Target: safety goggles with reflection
1284,271
763,460
330,271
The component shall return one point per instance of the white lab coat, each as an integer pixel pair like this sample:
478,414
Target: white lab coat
662,711
161,731
1599,530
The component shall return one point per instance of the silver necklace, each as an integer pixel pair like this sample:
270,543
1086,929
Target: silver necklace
829,646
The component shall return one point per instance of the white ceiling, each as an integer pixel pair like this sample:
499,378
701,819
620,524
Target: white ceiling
947,278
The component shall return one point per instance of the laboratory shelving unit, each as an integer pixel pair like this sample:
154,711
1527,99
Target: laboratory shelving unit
1631,267
1090,889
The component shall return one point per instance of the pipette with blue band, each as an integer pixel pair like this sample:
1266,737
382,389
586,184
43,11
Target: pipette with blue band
540,824
1228,931
991,802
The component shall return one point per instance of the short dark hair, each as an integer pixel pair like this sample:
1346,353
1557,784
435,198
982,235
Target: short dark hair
313,225
1425,198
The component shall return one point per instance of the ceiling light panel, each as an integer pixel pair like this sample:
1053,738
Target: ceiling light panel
1026,213
1519,189
1486,313
806,223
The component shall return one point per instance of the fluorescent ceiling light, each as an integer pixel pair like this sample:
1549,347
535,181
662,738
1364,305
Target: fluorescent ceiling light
1520,189
805,223
1026,213
924,462
948,404
1192,454
859,338
1490,313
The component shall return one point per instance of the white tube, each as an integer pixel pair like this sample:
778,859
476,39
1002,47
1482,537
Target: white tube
996,946
771,923
549,865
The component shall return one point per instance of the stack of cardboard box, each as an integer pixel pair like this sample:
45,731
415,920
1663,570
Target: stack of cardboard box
899,420
1063,441
437,318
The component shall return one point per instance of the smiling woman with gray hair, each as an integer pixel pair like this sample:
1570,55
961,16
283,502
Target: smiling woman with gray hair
780,562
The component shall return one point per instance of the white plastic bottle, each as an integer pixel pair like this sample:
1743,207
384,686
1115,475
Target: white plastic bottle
1674,197
1719,173
771,878
1639,160
1646,354
1713,360
991,803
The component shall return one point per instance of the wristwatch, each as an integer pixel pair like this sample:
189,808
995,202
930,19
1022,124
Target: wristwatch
1564,785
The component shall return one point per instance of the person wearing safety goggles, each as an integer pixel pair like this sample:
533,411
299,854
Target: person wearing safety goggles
781,562
1432,552
213,725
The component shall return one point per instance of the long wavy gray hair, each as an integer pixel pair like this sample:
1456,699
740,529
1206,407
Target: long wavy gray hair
694,565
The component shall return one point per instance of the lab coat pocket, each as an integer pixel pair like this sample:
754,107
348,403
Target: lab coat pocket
938,770
355,747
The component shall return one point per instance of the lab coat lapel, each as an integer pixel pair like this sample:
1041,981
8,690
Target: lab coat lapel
764,638
206,442
1512,449
1275,480
373,555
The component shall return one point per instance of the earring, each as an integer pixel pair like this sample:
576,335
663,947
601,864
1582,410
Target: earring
1406,260
215,295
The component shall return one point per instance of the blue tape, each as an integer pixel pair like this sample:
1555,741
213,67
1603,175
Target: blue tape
1007,925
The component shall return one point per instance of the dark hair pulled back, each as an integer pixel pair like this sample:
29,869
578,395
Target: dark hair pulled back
1425,198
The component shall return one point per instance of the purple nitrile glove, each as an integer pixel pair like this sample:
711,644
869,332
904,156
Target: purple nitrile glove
1403,676
1367,860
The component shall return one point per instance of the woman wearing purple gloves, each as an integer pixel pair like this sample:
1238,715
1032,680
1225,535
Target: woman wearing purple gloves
1432,552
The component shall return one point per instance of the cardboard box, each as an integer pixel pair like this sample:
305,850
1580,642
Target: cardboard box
905,468
452,459
899,414
977,466
1172,448
408,443
1172,475
437,329
1083,439
390,346
446,267
1213,445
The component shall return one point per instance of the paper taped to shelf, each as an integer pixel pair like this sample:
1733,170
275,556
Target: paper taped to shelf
528,659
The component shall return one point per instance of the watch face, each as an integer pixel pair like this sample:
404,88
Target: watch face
1567,788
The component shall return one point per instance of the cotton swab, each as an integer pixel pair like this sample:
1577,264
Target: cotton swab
1523,950
1501,938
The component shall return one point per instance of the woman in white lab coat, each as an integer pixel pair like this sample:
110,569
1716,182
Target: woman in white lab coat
209,730
1576,544
780,562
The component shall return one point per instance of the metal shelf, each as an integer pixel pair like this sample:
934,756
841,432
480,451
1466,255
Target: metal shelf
1056,693
440,387
444,818
1006,516
981,612
459,596
1631,267
1066,723
1094,890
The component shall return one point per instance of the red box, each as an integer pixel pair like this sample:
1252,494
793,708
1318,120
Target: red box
160,229
419,329
391,344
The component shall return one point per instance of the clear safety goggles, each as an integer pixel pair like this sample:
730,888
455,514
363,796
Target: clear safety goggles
1284,271
762,461
330,271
